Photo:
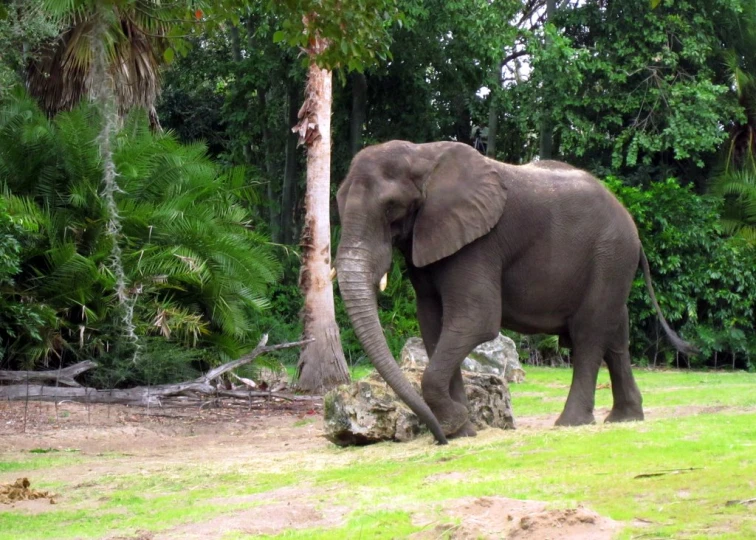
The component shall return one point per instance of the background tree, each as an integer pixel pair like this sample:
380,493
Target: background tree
332,34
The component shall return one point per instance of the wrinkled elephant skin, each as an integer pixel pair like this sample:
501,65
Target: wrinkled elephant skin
536,248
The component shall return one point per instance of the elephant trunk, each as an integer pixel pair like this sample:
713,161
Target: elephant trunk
358,289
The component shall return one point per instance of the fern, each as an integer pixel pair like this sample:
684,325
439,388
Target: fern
738,189
187,247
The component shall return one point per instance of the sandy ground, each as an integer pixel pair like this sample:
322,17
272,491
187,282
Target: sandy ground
235,435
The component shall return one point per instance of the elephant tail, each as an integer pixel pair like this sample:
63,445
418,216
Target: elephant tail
679,344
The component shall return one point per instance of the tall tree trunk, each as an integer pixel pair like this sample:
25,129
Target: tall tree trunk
288,190
321,362
274,218
359,108
493,114
235,43
546,149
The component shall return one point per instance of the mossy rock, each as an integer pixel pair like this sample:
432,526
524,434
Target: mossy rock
368,411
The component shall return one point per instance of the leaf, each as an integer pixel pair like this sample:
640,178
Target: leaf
168,55
655,3
279,36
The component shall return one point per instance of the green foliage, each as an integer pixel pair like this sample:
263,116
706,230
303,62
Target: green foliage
21,30
10,247
356,32
197,269
20,320
737,187
629,86
705,282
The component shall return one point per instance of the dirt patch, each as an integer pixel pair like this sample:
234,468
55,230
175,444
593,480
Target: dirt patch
97,429
500,517
454,476
268,519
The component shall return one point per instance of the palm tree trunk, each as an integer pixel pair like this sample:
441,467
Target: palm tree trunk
321,363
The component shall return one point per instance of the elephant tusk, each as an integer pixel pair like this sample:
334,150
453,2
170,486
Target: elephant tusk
384,282
332,274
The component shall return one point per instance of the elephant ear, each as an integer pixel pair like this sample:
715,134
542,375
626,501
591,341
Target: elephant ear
464,197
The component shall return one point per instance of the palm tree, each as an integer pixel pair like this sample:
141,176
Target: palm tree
135,38
736,183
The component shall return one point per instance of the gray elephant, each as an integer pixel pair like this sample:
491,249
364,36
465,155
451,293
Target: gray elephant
536,248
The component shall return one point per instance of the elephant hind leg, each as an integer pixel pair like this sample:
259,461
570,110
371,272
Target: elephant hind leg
628,403
589,333
578,411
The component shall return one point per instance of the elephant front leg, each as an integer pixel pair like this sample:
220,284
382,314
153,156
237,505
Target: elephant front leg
441,386
458,394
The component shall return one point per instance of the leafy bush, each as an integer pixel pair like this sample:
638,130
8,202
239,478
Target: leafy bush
197,269
22,322
704,281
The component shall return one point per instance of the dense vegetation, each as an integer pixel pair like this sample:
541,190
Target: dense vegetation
658,99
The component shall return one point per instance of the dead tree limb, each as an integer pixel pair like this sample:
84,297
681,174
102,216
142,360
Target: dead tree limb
64,376
151,395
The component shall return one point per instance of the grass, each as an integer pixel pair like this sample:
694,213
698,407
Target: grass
702,461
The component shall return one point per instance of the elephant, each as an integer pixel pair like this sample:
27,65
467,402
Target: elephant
537,248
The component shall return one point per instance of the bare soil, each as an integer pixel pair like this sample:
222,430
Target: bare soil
500,517
232,434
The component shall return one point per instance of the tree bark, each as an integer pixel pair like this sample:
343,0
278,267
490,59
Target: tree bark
288,190
235,43
359,112
64,376
321,362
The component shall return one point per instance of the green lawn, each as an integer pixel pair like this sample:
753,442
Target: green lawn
708,458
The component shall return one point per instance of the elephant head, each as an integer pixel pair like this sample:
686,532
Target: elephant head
433,199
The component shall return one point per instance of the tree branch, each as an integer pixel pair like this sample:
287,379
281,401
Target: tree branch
64,376
141,395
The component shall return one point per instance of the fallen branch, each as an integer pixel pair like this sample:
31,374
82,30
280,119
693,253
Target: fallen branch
261,394
64,376
151,395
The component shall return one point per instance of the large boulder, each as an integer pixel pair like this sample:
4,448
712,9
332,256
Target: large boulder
368,411
498,356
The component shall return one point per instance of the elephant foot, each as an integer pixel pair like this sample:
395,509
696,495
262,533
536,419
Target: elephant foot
468,430
571,419
628,414
453,418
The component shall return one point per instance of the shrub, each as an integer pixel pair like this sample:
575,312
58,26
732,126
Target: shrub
704,281
196,268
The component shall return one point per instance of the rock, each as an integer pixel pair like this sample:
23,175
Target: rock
498,356
368,411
